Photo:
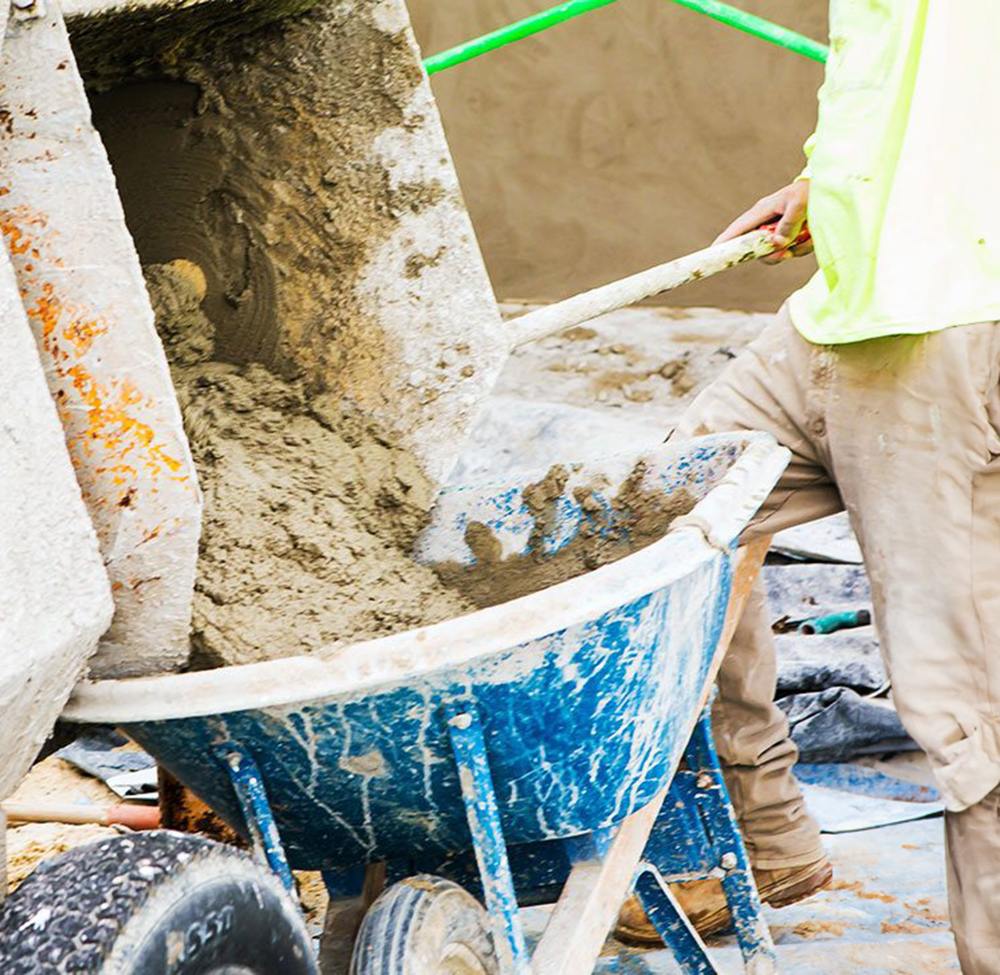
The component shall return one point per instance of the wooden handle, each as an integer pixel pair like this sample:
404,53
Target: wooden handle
133,816
656,280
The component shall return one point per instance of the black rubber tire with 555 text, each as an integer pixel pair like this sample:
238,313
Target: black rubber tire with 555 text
157,903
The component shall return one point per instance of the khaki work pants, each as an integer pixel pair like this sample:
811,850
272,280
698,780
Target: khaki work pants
902,432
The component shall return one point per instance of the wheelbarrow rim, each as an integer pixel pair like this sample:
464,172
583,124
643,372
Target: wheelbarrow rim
711,526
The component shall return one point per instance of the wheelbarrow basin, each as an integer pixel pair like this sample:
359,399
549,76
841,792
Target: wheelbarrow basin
586,691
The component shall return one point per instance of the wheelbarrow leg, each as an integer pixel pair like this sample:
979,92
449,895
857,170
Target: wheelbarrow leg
249,788
741,891
483,815
697,836
604,867
671,923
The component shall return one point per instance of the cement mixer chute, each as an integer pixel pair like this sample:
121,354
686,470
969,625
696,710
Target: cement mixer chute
82,289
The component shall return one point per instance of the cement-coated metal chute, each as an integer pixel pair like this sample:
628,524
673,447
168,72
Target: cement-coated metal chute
584,307
55,601
82,289
314,189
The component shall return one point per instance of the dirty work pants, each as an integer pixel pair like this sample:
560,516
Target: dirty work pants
902,432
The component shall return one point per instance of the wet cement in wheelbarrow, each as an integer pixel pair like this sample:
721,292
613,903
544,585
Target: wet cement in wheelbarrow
309,517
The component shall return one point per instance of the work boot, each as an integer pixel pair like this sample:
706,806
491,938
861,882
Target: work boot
704,901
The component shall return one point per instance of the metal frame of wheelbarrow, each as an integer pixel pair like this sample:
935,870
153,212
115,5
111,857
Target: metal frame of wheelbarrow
687,831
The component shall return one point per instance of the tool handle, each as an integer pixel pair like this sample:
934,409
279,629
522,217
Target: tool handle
656,280
835,621
133,816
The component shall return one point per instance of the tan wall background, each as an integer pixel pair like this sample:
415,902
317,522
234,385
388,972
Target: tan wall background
621,139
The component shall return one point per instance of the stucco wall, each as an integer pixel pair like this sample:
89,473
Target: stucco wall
621,139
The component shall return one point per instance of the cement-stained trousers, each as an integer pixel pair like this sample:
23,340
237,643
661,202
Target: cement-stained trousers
902,432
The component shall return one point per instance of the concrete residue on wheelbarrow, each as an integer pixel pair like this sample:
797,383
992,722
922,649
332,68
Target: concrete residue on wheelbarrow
611,529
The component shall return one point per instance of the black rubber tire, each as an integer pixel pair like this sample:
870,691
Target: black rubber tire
156,903
425,926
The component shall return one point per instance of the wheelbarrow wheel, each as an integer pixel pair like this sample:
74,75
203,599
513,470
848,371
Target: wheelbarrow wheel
155,903
425,925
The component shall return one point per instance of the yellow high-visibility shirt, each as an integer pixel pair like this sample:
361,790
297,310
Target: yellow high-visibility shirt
904,199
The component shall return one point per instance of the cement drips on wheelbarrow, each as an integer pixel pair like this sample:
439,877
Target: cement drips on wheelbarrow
308,517
633,518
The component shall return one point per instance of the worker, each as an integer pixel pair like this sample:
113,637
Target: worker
882,377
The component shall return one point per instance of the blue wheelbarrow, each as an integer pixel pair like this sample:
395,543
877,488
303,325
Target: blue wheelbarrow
554,748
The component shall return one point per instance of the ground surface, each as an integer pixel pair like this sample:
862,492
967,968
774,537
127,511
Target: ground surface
53,781
642,364
885,916
623,380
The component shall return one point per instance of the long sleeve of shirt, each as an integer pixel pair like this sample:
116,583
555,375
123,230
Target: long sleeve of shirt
904,172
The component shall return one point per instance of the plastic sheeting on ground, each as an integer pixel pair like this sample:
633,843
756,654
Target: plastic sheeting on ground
825,682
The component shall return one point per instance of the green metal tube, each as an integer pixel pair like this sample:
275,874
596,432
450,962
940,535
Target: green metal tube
512,32
536,23
836,621
765,29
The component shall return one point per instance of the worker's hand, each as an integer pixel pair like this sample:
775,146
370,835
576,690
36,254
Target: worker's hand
789,208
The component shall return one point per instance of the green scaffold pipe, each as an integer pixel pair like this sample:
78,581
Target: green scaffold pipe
512,32
765,29
723,12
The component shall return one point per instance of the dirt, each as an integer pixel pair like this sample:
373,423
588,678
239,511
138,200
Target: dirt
613,528
905,927
924,910
308,515
858,888
56,780
312,896
31,843
812,929
53,781
580,333
622,373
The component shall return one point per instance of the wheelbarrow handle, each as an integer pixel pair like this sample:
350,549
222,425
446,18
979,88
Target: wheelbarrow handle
656,280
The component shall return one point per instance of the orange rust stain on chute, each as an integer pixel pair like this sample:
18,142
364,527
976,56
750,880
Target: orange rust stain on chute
68,335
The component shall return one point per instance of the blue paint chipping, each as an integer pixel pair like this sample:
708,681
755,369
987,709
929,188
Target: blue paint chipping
483,817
